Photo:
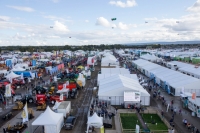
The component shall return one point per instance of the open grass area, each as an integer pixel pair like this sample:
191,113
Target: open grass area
149,118
129,121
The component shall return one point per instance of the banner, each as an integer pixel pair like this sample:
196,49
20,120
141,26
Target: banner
8,90
130,96
137,129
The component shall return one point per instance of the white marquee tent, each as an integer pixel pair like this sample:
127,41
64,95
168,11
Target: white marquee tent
12,75
112,89
109,59
51,121
95,121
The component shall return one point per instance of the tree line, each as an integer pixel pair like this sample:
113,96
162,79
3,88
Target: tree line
100,47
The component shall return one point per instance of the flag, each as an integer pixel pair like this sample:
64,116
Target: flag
25,113
8,90
10,79
193,95
64,86
61,97
137,129
67,83
22,76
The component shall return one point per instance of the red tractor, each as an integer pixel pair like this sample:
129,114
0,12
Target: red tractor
73,93
55,98
40,98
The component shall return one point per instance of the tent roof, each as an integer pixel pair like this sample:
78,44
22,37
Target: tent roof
12,75
103,76
114,71
117,84
48,118
18,68
95,119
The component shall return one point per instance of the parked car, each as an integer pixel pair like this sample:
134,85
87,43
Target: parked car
70,122
106,125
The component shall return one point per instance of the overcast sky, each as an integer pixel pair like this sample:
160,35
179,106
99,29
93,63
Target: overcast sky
82,22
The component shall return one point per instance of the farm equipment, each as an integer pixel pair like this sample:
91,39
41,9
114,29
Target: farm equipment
41,98
30,113
51,90
19,105
55,98
7,116
27,98
18,128
39,90
42,105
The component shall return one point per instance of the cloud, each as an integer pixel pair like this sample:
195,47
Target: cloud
195,7
123,26
60,27
87,21
102,22
4,18
128,3
22,8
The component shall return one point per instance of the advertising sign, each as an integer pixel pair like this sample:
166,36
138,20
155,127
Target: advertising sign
130,96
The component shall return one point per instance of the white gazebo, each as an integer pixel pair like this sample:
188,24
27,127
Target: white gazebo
51,121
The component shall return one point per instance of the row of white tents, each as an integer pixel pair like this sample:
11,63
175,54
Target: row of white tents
172,81
187,68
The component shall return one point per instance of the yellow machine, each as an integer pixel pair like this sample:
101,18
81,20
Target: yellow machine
19,105
42,106
51,90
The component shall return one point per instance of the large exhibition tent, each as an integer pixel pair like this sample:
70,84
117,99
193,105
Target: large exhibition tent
112,89
170,80
51,121
109,59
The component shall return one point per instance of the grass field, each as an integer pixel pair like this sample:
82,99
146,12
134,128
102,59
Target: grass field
148,118
129,121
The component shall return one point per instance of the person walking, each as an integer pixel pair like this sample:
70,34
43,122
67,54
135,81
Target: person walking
175,111
162,113
180,112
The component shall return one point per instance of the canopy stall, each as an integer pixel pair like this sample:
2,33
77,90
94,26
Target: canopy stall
51,121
